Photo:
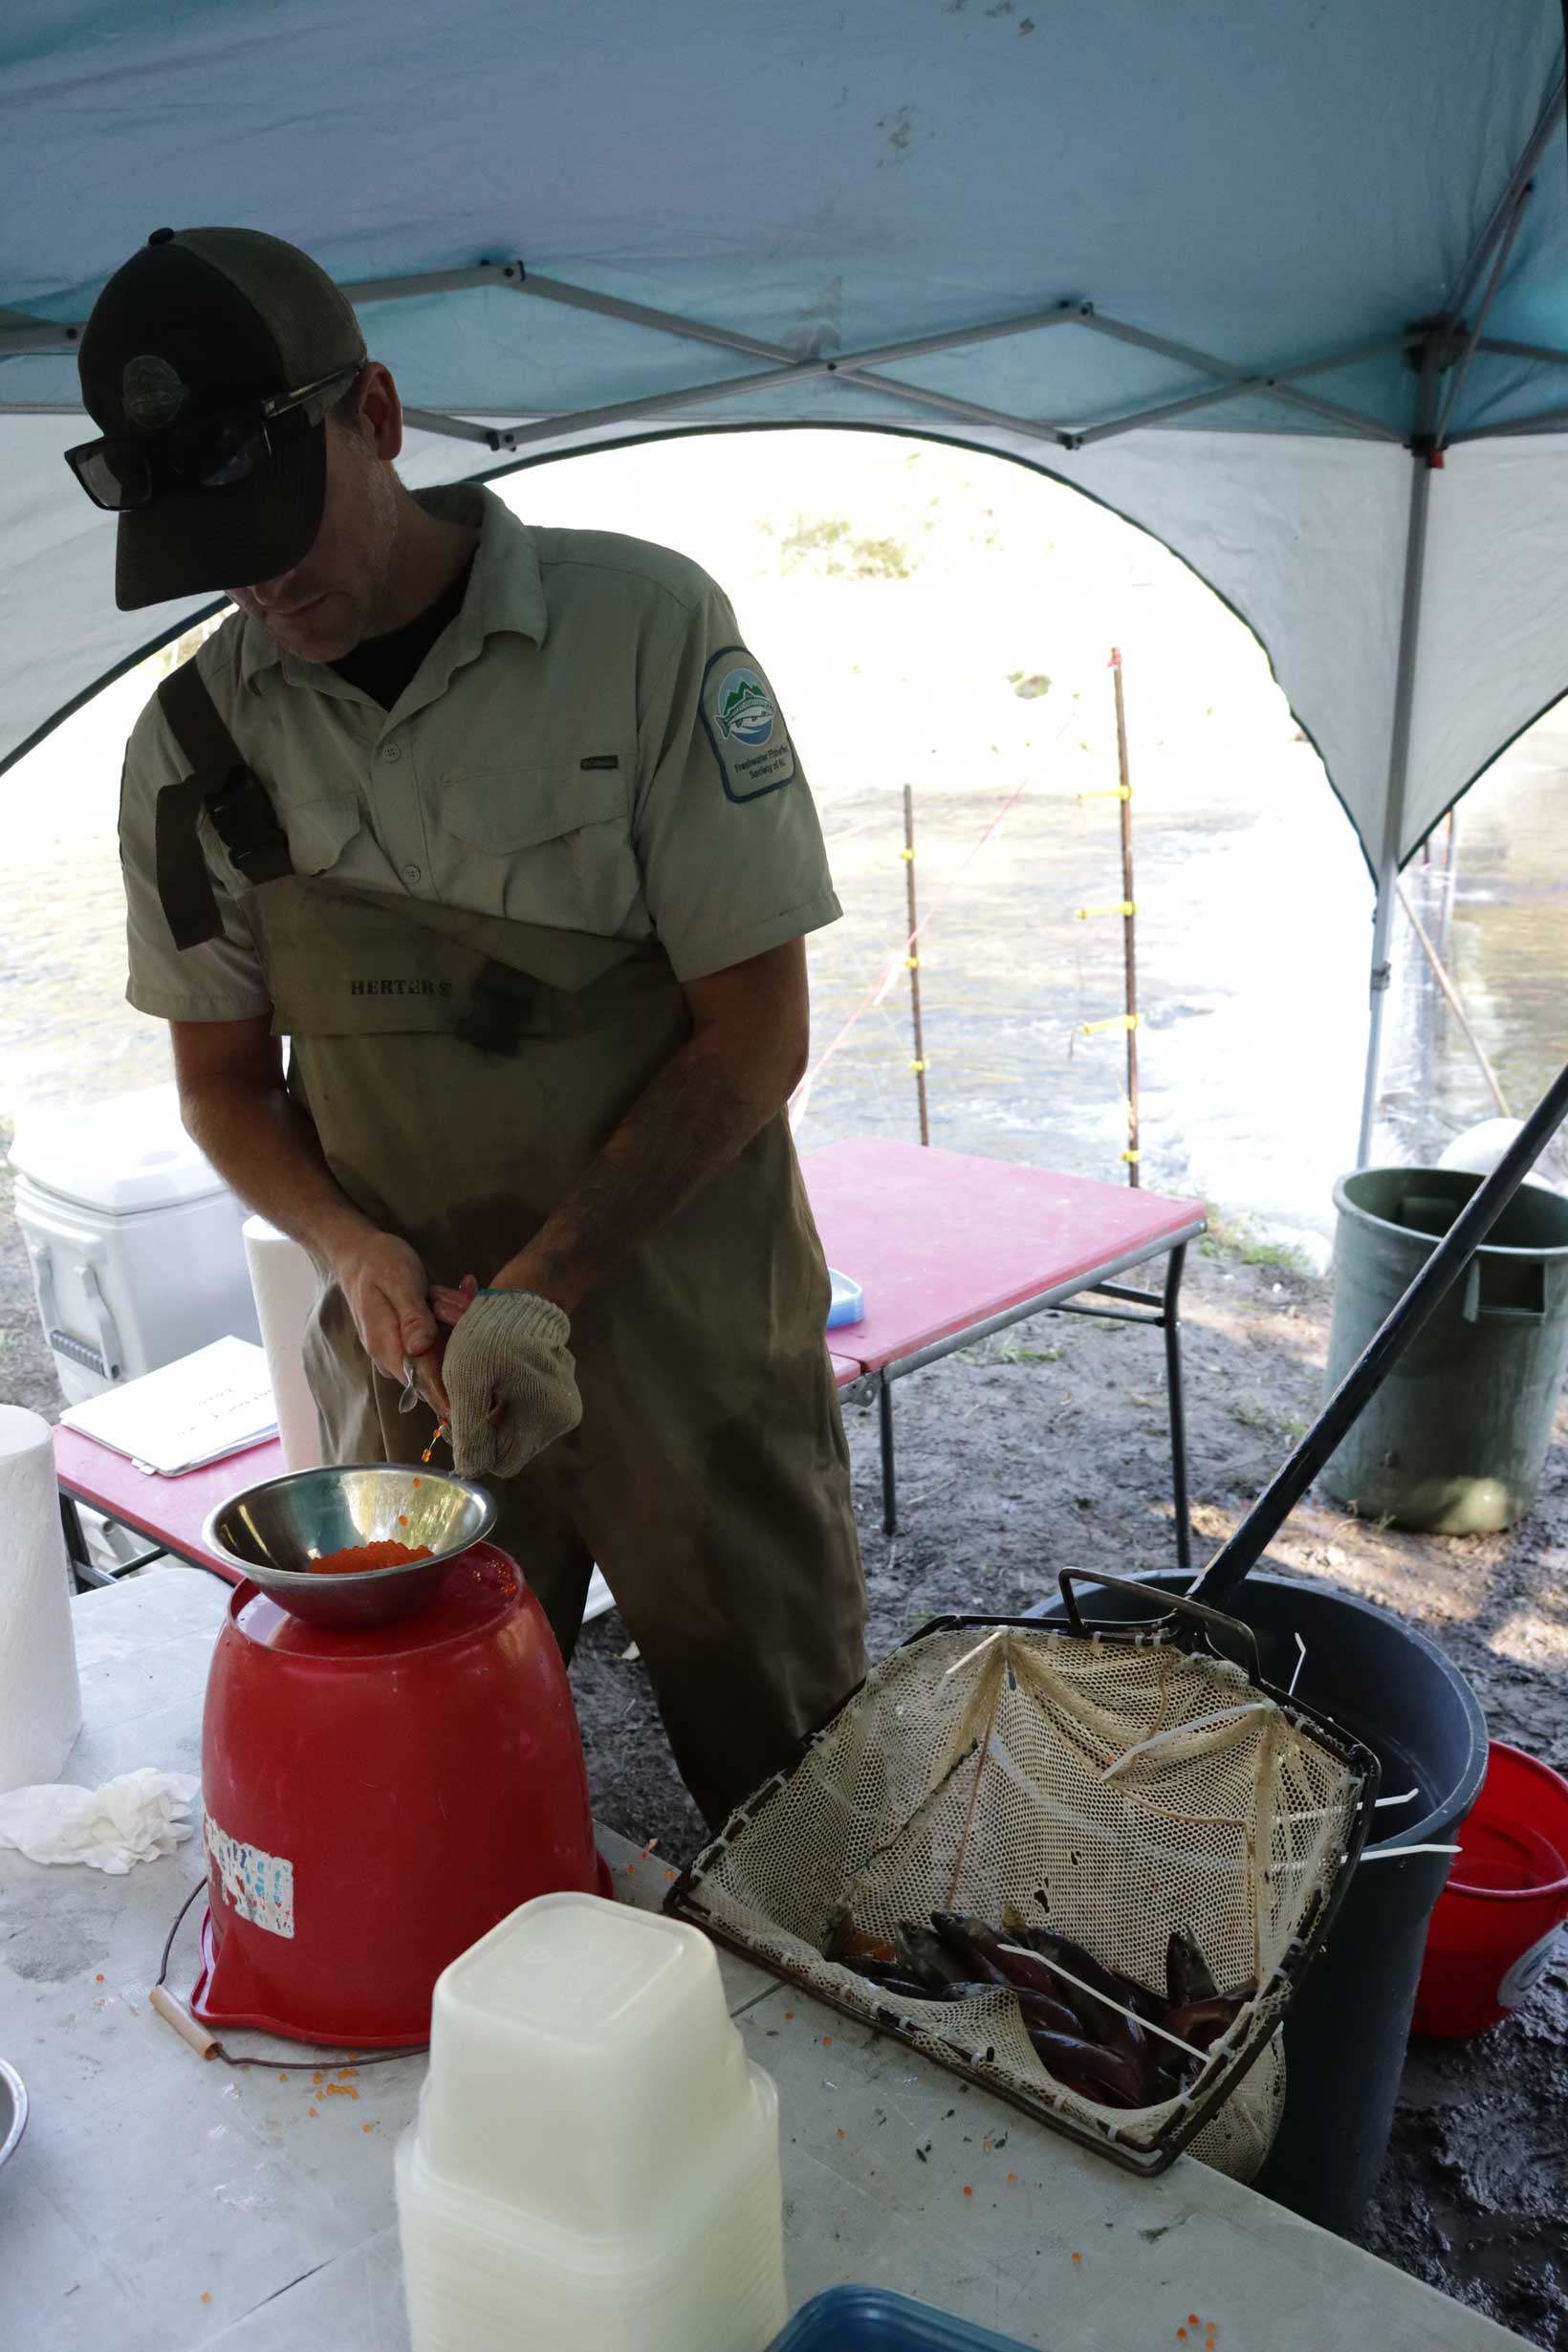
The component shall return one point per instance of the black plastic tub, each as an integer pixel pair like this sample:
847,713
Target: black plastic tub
1346,2033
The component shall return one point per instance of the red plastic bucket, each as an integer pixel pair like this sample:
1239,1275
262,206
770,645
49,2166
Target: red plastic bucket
1497,1919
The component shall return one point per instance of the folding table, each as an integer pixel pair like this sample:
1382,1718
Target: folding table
949,1246
169,1511
158,2205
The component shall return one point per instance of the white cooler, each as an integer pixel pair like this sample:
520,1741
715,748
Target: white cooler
135,1240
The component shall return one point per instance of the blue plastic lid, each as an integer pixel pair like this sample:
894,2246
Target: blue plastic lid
849,1301
874,2320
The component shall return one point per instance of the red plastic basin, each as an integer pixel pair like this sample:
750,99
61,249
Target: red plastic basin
1498,1920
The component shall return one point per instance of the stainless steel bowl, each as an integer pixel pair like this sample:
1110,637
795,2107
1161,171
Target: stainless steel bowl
13,2110
270,1531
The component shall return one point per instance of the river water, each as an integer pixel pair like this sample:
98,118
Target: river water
942,620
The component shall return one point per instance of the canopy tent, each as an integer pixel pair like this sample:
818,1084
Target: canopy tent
1284,284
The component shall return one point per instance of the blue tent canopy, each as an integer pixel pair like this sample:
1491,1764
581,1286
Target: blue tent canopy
1287,285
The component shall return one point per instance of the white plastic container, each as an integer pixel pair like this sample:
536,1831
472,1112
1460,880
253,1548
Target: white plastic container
135,1239
595,2164
847,1303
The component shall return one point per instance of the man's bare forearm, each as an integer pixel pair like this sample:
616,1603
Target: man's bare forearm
268,1154
695,1117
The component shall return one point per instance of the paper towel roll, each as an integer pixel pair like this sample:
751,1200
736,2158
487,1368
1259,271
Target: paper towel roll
40,1701
284,1281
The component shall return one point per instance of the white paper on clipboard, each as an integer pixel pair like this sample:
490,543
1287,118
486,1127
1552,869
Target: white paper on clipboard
213,1403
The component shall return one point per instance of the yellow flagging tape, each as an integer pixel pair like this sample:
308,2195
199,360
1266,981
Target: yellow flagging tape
911,963
1132,1155
907,854
919,1066
1117,792
1117,1020
1112,906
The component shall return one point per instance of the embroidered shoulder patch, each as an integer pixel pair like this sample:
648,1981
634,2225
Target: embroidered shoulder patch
745,726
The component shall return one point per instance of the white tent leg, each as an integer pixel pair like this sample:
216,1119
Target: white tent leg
1428,437
1399,763
1382,924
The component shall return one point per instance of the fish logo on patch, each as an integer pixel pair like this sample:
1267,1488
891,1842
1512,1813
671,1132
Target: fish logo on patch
744,709
745,726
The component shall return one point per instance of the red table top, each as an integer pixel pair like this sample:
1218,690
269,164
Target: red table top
173,1510
941,1241
170,1510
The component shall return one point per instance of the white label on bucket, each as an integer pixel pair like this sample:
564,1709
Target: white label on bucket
260,1886
1527,1970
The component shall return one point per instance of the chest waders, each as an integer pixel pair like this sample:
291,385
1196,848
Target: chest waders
461,1071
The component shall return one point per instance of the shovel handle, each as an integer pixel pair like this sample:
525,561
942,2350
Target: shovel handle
1223,1577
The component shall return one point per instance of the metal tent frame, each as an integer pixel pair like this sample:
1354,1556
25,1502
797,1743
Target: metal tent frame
1448,347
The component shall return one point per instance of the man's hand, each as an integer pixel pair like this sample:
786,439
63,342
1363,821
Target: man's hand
387,1291
233,1100
512,1380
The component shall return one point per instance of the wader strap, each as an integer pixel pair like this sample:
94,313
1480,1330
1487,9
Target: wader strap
185,884
235,799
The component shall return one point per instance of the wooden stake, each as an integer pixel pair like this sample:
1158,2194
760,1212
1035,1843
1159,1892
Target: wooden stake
912,959
1128,918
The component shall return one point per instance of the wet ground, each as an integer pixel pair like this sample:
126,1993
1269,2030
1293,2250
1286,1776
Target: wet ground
1046,1446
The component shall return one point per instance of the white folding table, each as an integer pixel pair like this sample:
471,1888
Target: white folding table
157,2204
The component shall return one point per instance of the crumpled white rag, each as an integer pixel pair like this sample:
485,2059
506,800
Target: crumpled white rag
133,1818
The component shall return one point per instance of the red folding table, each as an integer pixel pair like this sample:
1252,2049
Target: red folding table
947,1248
169,1511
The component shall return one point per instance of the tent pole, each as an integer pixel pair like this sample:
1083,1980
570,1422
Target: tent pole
1398,757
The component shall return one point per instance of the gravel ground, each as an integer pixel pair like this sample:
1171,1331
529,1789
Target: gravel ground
1046,1447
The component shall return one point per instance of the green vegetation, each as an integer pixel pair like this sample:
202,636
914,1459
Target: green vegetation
1284,1429
844,555
1008,1347
1237,1239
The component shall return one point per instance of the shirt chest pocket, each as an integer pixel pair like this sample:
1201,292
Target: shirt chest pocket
540,843
321,831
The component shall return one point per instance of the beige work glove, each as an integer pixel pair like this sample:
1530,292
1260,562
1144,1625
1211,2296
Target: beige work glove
511,1382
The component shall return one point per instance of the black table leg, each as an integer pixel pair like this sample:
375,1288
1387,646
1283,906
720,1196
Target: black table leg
890,1496
1170,1319
85,1574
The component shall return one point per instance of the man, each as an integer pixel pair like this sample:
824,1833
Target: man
504,831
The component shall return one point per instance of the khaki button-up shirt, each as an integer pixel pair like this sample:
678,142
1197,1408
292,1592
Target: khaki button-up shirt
587,746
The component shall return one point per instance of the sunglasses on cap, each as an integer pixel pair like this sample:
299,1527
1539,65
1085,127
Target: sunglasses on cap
211,452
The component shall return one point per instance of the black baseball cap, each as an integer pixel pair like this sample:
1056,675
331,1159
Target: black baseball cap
201,319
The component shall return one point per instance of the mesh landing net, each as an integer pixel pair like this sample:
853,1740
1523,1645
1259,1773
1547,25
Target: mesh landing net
1138,1788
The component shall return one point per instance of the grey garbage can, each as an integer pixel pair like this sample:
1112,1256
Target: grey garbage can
1454,1440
